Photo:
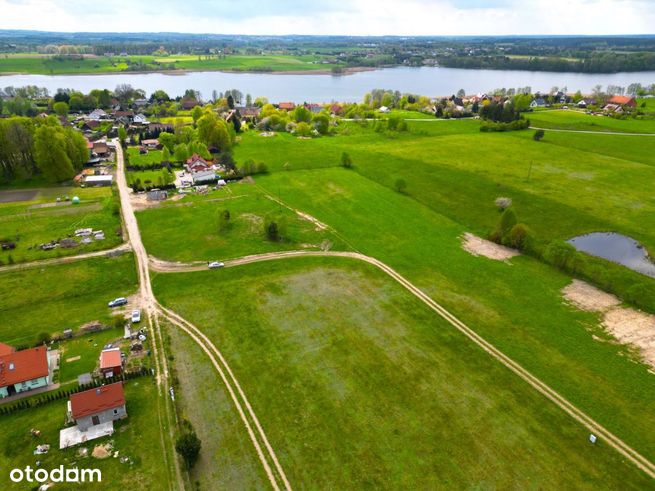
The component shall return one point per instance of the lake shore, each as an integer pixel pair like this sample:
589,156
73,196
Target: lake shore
184,71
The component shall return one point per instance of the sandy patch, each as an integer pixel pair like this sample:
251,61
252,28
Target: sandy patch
481,247
319,225
102,451
72,359
626,325
587,297
635,328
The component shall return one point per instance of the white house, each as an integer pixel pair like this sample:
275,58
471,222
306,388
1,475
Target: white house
97,115
140,119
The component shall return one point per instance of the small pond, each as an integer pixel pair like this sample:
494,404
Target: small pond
617,248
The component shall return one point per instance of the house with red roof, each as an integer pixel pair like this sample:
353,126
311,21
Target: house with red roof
287,106
623,100
201,172
97,406
196,163
23,370
111,362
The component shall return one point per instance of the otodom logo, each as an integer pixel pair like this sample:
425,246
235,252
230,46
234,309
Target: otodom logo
58,474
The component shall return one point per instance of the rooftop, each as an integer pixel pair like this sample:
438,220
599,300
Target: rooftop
96,400
20,366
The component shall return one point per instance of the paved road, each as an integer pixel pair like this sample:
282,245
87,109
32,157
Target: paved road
593,426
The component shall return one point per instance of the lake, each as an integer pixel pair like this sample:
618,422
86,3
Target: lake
616,248
430,81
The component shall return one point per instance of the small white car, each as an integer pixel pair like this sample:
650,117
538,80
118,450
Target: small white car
136,316
215,265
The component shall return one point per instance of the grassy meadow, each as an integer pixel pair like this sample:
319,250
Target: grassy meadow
39,219
359,385
35,63
54,298
188,229
578,120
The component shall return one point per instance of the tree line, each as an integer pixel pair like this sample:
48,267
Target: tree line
40,146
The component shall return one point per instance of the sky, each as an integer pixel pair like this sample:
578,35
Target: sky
336,17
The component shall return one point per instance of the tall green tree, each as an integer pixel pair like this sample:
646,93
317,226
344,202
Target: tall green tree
50,154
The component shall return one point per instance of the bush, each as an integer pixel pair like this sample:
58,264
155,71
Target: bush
346,161
223,220
272,231
400,185
188,446
44,338
519,236
490,126
504,226
538,135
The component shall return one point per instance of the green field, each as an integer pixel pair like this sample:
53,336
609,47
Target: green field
44,64
187,230
137,437
359,385
228,459
54,298
137,159
39,219
578,120
455,170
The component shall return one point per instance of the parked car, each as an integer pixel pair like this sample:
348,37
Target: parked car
136,316
117,302
215,265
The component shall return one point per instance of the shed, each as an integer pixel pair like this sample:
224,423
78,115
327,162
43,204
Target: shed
104,180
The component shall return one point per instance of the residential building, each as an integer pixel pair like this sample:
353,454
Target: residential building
287,106
151,143
100,149
97,114
196,163
140,119
111,362
97,406
623,100
23,370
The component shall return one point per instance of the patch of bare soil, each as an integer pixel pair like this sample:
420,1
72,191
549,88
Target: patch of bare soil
635,328
628,326
587,297
481,247
102,451
319,225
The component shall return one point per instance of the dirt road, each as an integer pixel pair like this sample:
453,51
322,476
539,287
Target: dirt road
593,426
152,310
590,132
68,259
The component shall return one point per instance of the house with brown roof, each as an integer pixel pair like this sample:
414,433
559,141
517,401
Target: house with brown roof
287,106
23,370
623,100
250,112
100,149
188,104
111,362
93,407
151,143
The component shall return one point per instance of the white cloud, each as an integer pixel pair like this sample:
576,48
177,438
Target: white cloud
357,17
